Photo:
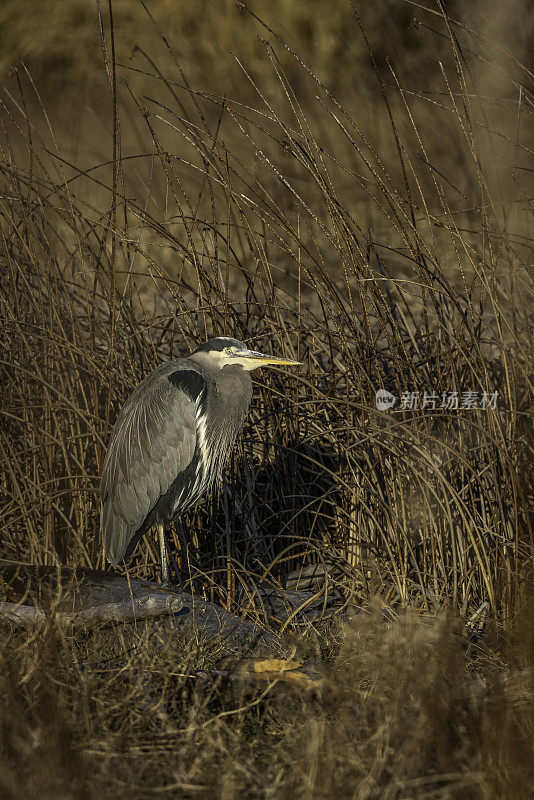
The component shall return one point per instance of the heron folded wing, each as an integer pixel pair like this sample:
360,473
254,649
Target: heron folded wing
152,442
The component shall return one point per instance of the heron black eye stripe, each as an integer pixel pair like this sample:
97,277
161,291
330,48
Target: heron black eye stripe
220,344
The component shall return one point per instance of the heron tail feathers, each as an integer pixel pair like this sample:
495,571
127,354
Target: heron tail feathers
116,534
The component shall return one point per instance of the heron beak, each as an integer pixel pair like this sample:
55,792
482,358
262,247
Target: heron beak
264,360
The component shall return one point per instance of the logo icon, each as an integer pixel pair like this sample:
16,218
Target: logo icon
384,400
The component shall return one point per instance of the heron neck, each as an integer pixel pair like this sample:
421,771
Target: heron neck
231,394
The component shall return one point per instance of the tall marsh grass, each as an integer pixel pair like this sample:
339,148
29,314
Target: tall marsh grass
356,193
384,241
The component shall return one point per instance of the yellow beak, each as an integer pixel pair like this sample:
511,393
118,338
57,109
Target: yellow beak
264,360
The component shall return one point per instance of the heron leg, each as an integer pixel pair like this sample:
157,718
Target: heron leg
163,554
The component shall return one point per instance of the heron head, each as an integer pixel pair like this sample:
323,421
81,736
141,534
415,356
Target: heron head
224,351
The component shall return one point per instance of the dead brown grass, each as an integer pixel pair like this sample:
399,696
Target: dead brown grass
399,714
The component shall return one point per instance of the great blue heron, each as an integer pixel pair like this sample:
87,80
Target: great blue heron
172,439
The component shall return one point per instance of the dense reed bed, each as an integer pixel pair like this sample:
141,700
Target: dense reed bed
383,236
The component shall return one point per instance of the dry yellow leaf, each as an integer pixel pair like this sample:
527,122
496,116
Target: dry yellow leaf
274,665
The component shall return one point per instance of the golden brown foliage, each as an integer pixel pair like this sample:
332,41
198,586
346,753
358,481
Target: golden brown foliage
355,191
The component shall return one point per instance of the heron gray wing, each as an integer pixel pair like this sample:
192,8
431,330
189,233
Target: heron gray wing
153,440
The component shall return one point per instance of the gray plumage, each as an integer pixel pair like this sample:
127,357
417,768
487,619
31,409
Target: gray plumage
172,439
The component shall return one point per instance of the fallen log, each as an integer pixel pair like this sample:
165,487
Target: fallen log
150,605
85,598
